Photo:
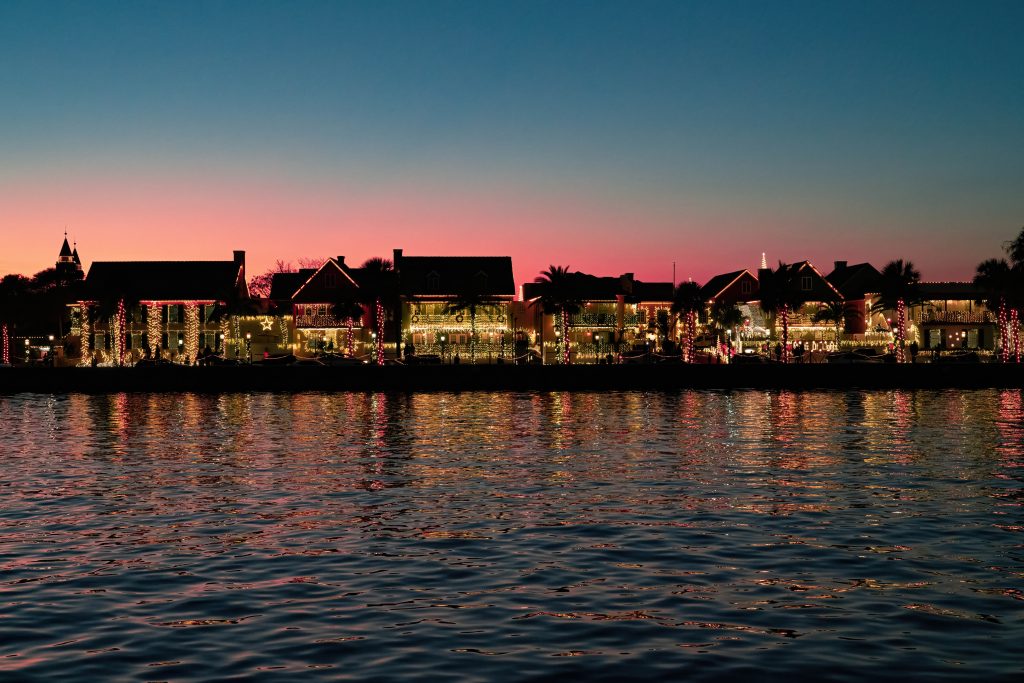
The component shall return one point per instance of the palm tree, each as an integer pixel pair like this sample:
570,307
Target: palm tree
347,308
688,302
725,316
379,286
780,295
832,312
113,305
559,296
469,298
898,288
996,278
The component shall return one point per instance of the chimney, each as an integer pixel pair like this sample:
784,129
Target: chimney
397,257
840,265
626,282
341,260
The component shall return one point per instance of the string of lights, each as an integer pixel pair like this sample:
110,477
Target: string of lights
1004,342
86,335
153,325
901,332
6,346
380,333
191,331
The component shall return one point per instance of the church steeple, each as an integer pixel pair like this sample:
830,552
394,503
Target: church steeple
65,251
69,265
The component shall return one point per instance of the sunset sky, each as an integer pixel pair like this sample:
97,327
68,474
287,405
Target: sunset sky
610,137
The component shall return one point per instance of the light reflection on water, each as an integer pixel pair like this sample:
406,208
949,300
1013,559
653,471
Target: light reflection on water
510,536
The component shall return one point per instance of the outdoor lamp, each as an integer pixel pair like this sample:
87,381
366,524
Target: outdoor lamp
442,337
248,336
51,337
181,342
26,343
222,336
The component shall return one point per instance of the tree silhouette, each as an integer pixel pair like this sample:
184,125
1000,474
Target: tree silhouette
688,303
898,289
560,296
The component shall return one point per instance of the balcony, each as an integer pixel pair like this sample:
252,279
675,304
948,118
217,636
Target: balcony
958,318
322,321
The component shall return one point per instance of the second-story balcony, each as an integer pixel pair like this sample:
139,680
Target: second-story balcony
608,320
958,317
323,321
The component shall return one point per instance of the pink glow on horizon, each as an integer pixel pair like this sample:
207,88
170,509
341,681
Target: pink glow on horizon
178,219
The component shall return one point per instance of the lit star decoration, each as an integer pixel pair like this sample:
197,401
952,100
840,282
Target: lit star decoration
267,324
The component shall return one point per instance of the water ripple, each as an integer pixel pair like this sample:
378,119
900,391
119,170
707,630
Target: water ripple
705,535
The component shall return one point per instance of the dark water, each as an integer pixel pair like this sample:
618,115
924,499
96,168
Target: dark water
503,537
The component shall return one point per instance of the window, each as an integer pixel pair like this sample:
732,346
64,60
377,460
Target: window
480,280
805,283
330,279
745,287
433,282
172,314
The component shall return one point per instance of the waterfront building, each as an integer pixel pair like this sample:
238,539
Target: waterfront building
444,299
322,310
859,284
616,315
814,291
130,306
949,316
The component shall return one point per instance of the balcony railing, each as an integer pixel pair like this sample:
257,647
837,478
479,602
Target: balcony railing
323,321
959,317
483,319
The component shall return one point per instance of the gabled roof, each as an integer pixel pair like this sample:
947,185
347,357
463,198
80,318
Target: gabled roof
491,275
827,288
853,282
717,285
313,288
284,285
165,280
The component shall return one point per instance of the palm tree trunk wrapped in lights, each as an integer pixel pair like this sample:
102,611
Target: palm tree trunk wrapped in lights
784,314
901,331
691,336
380,332
5,358
1004,351
1015,331
350,341
120,340
86,335
565,336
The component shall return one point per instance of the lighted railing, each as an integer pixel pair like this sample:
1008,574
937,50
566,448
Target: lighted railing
436,319
962,317
315,321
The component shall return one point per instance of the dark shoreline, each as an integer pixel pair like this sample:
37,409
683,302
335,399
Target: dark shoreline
510,378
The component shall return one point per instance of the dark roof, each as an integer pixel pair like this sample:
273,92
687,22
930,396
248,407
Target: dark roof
284,285
65,249
715,285
447,275
74,255
954,291
165,280
853,282
652,291
594,288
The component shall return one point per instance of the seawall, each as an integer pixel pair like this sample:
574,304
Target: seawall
510,378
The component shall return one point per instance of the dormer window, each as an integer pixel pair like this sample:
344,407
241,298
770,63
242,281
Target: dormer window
433,282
